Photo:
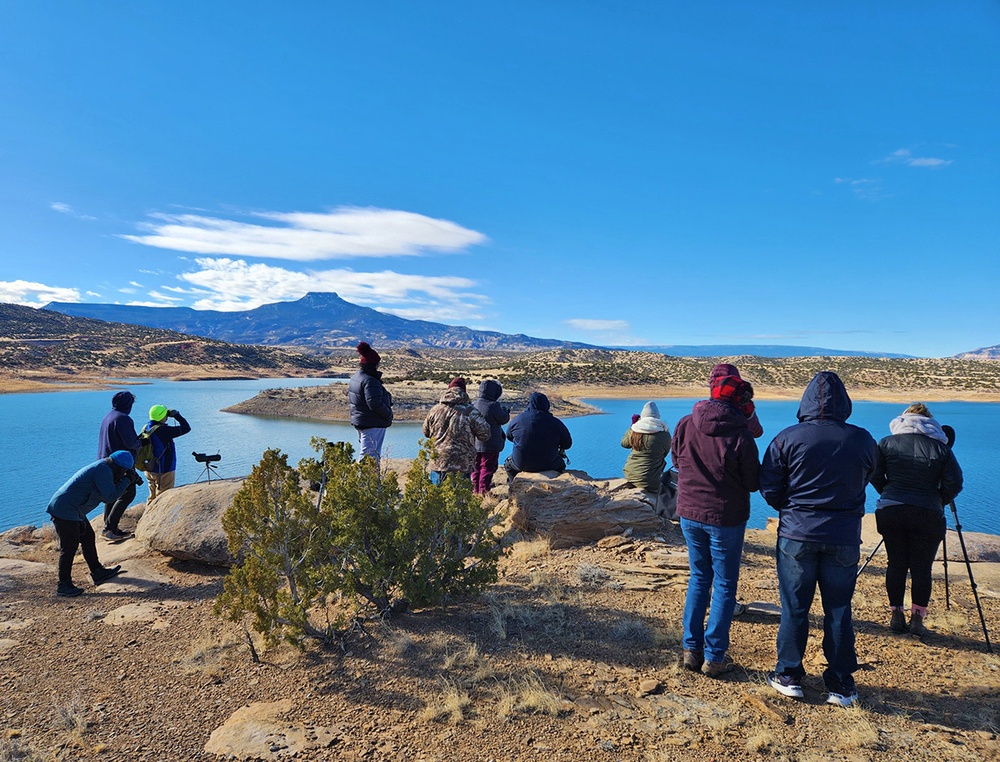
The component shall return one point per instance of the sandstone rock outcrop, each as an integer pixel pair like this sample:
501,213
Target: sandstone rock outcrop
573,509
186,522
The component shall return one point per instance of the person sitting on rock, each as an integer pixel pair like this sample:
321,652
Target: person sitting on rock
454,425
488,452
540,439
648,438
103,481
161,472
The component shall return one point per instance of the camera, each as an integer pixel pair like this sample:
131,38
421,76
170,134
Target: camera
203,458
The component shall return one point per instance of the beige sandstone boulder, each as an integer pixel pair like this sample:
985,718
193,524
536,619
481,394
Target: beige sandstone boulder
186,522
573,509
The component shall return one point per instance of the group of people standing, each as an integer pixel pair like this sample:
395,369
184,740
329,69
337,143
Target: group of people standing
467,435
814,474
112,479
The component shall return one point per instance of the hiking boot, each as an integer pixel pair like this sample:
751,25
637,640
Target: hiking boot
916,624
693,660
103,574
717,668
785,685
115,535
897,622
740,609
68,590
844,699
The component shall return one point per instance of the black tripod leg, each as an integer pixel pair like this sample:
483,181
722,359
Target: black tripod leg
972,581
870,557
944,548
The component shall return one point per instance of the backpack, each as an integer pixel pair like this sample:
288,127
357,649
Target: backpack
145,458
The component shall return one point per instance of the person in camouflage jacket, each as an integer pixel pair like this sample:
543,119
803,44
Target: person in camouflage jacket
454,424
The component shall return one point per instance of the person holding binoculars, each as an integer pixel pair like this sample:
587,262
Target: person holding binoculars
161,465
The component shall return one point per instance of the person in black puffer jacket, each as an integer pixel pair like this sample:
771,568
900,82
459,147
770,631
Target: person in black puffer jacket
540,439
916,475
371,404
488,452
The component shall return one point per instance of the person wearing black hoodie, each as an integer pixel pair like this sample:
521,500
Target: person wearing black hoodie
540,439
371,404
815,474
488,452
117,432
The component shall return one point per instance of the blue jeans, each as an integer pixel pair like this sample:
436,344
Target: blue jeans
714,555
371,443
801,565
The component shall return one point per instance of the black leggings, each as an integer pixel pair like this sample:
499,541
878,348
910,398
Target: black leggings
73,535
912,536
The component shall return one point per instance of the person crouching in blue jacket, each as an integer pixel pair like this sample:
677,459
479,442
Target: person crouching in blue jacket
814,474
103,481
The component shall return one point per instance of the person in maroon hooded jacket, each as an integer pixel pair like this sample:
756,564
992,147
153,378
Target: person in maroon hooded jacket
717,464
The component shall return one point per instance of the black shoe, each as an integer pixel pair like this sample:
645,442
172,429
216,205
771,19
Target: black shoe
897,622
115,535
68,590
103,575
917,626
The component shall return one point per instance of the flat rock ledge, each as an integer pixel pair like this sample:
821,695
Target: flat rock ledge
573,509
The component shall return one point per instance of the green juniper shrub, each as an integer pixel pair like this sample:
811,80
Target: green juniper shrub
308,563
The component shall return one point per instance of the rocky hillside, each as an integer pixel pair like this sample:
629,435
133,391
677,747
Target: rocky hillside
985,353
40,341
318,321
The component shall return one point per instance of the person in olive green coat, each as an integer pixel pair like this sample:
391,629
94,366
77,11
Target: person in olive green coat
649,441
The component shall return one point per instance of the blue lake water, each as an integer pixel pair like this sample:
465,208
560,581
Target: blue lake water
46,437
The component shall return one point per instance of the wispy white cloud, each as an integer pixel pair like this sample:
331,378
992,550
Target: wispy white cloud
139,303
233,284
341,233
59,206
135,284
588,324
30,294
867,188
905,156
164,297
127,290
94,294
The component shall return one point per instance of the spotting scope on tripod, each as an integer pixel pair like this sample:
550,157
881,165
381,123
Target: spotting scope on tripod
210,468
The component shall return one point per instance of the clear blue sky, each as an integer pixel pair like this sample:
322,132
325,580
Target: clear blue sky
822,173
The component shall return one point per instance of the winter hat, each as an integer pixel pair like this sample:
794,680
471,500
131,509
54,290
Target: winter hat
368,355
725,388
122,458
158,413
123,401
722,370
650,410
459,382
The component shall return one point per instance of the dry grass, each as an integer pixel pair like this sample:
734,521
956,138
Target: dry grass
529,550
588,574
205,656
857,731
450,705
633,631
397,642
527,695
762,740
13,750
471,661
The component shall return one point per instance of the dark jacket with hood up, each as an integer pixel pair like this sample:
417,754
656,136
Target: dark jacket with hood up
86,489
117,429
371,404
496,415
815,473
539,438
717,464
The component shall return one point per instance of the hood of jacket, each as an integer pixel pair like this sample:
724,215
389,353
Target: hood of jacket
715,418
911,423
454,395
825,398
490,390
122,402
538,401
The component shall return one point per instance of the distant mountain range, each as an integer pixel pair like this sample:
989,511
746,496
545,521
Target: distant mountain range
755,350
985,353
317,320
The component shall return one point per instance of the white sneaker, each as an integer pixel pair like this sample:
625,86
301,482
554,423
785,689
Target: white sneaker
842,699
786,686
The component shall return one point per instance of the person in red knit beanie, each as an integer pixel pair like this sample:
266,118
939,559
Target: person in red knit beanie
371,403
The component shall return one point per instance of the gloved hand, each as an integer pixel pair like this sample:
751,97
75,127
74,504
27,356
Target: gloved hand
744,398
171,413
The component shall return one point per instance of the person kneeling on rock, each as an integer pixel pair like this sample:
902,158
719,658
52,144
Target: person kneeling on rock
101,482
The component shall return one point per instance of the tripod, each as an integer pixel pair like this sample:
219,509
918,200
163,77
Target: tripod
972,580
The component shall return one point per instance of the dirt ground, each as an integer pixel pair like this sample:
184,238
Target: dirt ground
573,655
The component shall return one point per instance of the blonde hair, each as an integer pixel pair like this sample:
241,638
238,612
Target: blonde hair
919,408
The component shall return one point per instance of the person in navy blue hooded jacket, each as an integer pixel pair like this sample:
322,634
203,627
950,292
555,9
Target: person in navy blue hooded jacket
488,452
815,474
117,432
540,439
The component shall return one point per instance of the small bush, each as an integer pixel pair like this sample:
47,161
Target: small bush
362,542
